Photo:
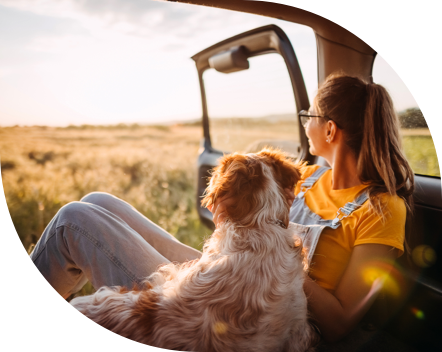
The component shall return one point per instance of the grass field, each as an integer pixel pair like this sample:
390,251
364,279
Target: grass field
252,134
420,152
151,167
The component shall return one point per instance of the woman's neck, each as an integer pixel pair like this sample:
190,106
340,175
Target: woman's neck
344,169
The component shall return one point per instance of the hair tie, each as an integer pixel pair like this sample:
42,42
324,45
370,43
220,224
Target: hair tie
368,87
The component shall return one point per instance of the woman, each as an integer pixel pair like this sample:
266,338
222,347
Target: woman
354,127
358,208
359,138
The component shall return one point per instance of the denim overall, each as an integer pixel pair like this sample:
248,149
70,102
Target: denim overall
310,225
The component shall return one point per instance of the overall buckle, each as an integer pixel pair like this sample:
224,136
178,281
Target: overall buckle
340,215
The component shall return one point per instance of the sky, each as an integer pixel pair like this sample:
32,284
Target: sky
128,61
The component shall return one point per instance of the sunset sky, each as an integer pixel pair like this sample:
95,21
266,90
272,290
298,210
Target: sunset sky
112,61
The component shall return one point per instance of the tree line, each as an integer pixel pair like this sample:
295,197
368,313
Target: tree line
412,118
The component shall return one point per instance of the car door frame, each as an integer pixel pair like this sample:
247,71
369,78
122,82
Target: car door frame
259,41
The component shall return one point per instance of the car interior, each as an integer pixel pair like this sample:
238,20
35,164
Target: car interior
411,317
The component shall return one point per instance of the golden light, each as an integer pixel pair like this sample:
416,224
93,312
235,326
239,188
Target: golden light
219,328
391,277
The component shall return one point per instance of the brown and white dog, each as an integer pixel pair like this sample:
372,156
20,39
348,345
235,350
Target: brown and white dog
246,291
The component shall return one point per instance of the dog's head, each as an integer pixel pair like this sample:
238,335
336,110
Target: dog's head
256,182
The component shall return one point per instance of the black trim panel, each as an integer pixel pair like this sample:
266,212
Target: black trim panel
428,191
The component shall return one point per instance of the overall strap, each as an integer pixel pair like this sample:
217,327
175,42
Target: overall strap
311,180
350,207
311,236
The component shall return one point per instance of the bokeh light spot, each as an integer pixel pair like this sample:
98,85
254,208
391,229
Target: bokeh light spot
220,328
424,256
418,313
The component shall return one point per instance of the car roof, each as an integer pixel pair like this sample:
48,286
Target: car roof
320,25
338,49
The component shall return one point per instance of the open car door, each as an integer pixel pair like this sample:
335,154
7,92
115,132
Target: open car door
239,131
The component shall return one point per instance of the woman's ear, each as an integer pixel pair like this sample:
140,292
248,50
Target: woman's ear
331,131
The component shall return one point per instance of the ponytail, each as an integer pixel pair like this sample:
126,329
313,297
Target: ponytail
365,113
381,162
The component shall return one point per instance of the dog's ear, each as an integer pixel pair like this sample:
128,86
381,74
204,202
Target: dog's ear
215,188
239,177
286,172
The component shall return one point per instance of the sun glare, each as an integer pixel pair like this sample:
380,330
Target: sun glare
390,275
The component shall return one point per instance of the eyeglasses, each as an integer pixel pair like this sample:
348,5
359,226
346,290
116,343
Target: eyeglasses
305,117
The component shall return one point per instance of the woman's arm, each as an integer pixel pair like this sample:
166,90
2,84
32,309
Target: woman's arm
337,314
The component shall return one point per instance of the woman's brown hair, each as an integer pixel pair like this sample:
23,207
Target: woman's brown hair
365,113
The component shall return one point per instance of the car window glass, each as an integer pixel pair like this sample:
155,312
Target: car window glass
253,108
416,137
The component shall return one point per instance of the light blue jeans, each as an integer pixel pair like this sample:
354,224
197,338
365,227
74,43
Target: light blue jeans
105,240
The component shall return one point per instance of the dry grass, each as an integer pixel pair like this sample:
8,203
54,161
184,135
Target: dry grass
153,168
252,134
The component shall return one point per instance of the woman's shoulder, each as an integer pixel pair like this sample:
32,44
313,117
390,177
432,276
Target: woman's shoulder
392,208
308,170
387,227
393,204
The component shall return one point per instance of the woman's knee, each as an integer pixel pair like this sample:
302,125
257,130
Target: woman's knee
74,210
74,215
106,201
98,198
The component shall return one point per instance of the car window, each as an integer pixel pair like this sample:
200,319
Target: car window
253,108
416,137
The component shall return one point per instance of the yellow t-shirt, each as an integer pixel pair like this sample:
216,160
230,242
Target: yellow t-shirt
362,226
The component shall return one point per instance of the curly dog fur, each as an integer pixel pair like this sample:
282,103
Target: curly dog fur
246,291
